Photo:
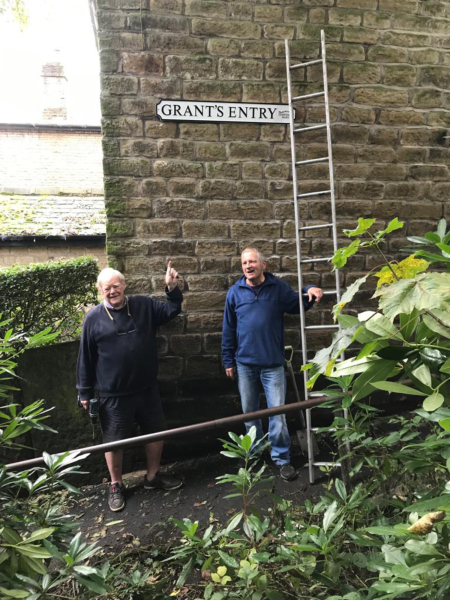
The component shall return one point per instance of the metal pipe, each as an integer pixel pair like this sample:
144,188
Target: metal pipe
172,433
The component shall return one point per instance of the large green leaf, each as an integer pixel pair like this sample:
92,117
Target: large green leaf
363,226
423,374
341,255
379,371
420,547
380,325
442,326
433,402
397,388
348,296
392,226
353,366
408,324
426,291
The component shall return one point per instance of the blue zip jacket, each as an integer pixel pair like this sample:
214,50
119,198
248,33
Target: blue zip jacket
253,321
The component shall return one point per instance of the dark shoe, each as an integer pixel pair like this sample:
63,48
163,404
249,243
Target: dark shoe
162,482
287,472
116,498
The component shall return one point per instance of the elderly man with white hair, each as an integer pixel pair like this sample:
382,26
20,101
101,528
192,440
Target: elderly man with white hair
118,362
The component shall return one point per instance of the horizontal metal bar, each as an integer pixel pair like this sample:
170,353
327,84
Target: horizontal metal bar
314,194
325,293
311,160
309,227
305,96
306,64
325,464
315,260
312,327
310,128
179,431
322,429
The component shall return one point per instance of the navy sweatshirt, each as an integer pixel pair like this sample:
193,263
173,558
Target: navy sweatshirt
116,365
253,321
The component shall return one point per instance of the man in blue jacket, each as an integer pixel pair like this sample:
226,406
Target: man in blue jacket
253,345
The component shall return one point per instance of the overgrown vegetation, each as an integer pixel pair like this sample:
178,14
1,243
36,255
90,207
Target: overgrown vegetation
52,294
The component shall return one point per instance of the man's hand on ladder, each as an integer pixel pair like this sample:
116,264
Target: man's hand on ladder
314,293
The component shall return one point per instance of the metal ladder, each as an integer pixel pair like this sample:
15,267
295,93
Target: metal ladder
295,131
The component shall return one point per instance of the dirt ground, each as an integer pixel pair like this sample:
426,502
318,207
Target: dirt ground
146,517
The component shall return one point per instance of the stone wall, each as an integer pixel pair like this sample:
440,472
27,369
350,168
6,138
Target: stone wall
23,255
199,193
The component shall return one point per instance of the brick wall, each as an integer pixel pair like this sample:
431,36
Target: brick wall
23,256
199,193
50,162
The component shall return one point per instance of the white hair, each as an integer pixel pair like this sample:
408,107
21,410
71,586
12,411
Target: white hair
256,251
107,274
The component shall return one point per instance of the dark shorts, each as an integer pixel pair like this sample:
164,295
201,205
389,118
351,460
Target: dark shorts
118,414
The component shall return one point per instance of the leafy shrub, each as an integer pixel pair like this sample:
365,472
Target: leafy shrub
49,294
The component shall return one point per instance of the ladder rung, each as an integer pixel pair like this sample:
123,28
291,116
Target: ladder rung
306,64
314,194
321,429
309,227
305,96
310,128
314,260
326,464
327,293
313,327
311,160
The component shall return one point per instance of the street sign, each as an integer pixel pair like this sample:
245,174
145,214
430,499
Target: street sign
231,112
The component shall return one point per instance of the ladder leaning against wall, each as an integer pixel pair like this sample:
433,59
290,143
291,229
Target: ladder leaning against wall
295,135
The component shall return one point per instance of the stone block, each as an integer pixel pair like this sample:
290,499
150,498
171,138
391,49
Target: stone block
401,75
222,170
204,321
119,84
186,344
127,247
240,11
362,73
170,367
249,209
109,61
159,130
277,170
112,40
215,264
257,49
356,114
111,147
394,173
119,228
215,91
348,171
155,22
360,35
417,228
198,283
252,170
167,228
138,148
206,8
110,106
249,151
381,96
441,191
317,15
378,154
122,127
311,31
266,229
228,29
206,300
343,51
121,187
191,67
199,131
279,190
217,188
171,6
182,187
176,149
264,246
429,172
250,190
439,118
177,168
170,247
409,40
299,14
223,47
169,43
407,6
276,71
377,20
420,210
437,155
202,366
212,343
154,188
239,131
205,229
142,63
279,32
344,16
239,69
211,151
363,189
146,264
273,133
180,168
383,135
425,56
401,117
414,155
302,49
161,88
267,13
426,98
144,107
126,166
179,208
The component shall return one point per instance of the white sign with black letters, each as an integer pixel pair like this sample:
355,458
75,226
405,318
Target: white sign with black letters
235,112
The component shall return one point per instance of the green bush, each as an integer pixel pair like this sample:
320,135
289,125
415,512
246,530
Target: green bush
50,294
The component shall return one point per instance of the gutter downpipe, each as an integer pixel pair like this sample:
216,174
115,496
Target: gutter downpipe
187,429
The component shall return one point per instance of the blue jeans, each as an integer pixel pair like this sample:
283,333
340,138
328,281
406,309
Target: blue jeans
273,380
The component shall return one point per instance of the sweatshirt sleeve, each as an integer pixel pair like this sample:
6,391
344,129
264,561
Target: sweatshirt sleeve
291,300
166,311
87,357
229,341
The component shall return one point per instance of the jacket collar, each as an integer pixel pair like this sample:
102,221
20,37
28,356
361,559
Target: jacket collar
269,280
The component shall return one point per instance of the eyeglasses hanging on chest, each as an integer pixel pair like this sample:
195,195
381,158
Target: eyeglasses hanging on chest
130,327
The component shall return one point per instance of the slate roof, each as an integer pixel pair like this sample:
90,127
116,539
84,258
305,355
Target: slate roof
52,216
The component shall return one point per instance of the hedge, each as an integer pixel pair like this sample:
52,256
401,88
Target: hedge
50,294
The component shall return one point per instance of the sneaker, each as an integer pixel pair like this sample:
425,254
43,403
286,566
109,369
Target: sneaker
287,472
116,498
162,482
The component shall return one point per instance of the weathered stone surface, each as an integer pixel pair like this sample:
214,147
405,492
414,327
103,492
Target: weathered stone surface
199,131
159,130
250,190
179,208
215,91
356,114
242,70
223,47
109,61
177,168
279,32
409,40
381,96
142,63
222,170
186,344
160,88
253,92
377,20
230,29
176,149
345,52
426,98
158,227
257,49
197,283
135,147
122,127
402,75
240,11
211,151
204,321
121,187
182,187
217,188
239,131
266,229
424,57
191,67
110,106
267,12
344,16
250,209
206,8
119,228
154,188
431,172
249,151
157,41
202,366
204,301
170,6
437,76
401,117
205,229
